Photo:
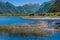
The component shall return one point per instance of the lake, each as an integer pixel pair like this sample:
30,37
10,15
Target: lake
17,20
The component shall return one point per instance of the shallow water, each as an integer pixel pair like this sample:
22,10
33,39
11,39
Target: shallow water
14,20
55,36
17,20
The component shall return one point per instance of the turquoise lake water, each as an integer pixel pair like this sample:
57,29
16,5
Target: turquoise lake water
17,20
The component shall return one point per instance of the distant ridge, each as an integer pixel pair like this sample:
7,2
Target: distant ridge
50,6
6,7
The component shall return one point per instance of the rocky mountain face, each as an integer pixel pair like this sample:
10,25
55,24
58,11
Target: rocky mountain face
55,7
45,6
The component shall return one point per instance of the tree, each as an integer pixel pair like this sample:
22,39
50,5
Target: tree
31,15
1,13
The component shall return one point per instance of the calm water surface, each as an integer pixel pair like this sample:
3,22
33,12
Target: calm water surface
17,20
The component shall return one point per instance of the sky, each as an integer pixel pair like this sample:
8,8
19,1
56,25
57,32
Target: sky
22,2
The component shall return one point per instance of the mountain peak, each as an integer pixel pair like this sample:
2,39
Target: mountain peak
8,3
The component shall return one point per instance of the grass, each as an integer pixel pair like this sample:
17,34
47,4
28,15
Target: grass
23,29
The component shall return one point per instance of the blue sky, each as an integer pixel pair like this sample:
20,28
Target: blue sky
22,2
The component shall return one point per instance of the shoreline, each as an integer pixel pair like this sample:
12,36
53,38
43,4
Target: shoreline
41,17
34,28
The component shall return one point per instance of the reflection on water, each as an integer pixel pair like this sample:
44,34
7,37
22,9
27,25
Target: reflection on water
56,36
13,20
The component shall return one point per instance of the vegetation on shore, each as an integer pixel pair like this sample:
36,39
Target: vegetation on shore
35,29
32,14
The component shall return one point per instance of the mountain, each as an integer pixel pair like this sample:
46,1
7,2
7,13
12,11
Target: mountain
6,7
55,7
20,9
30,8
45,6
